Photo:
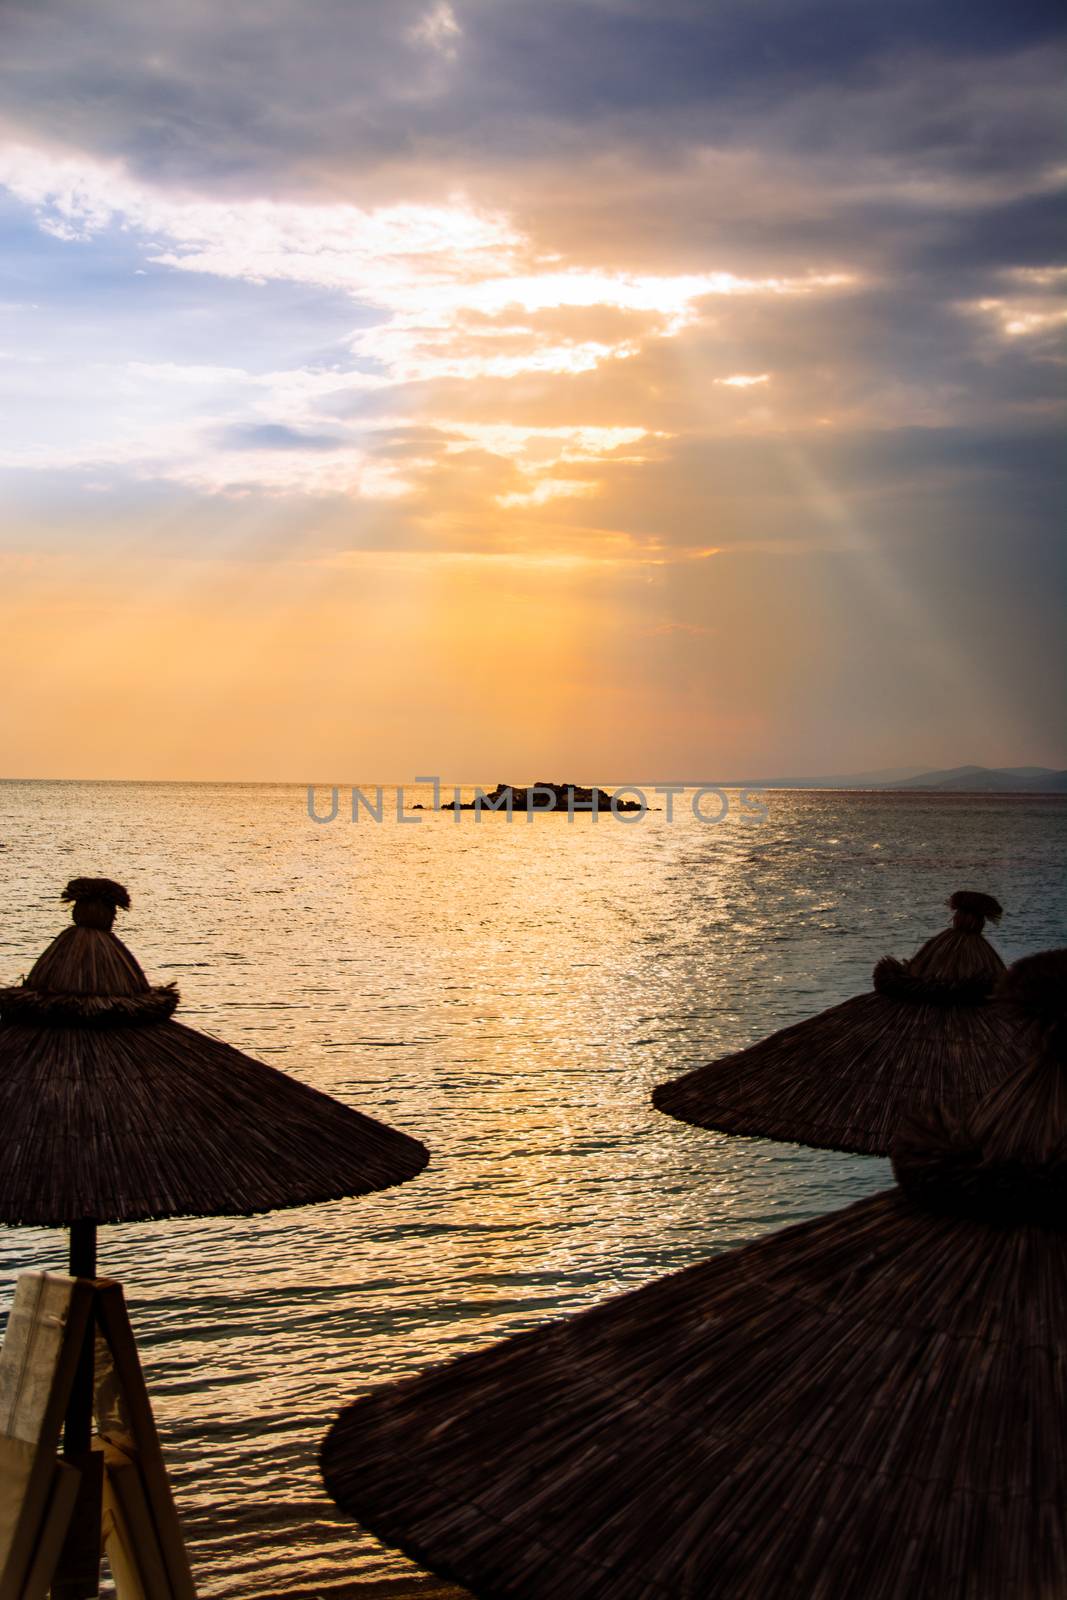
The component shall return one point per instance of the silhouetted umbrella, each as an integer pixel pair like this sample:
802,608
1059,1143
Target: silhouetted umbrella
114,1113
870,1406
925,1035
111,1112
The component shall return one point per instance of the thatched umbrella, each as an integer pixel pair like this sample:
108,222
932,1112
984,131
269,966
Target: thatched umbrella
111,1112
924,1035
867,1405
870,1406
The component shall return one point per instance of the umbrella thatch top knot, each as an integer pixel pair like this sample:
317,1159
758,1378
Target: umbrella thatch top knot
973,910
87,976
95,901
955,968
1005,1161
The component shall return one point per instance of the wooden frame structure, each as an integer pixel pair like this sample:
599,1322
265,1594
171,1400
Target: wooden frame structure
68,1360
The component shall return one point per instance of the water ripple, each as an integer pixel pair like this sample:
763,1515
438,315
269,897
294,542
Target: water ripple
509,995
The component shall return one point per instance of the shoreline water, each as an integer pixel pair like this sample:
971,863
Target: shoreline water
509,996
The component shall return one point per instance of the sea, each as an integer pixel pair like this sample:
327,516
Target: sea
509,993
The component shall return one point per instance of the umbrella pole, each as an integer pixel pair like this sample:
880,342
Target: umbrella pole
77,1576
78,1429
83,1249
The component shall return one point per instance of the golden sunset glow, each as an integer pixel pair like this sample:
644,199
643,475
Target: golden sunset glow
304,434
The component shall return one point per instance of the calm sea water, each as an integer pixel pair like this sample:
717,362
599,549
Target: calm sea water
509,994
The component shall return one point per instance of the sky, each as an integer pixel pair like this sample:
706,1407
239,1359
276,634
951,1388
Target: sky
581,389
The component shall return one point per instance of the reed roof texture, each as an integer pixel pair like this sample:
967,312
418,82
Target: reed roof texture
111,1111
870,1406
925,1035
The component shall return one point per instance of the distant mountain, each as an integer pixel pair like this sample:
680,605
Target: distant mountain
989,780
977,780
868,780
838,780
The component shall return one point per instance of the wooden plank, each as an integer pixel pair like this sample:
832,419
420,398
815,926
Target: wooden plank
77,1574
133,1552
37,1364
16,1467
40,1352
17,1459
118,1542
125,1517
125,1421
65,1484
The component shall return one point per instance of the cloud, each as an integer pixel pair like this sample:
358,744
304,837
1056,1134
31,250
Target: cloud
339,246
476,326
279,92
424,263
1031,309
455,296
548,489
274,436
437,30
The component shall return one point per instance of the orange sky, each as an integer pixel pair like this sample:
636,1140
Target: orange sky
585,430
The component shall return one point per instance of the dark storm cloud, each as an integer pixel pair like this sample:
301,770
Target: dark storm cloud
580,60
276,86
1028,232
199,89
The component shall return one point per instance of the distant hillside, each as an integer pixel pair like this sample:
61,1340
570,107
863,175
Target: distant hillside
989,780
837,780
964,780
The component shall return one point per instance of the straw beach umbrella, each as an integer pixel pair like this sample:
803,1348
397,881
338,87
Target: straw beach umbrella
924,1035
870,1406
113,1112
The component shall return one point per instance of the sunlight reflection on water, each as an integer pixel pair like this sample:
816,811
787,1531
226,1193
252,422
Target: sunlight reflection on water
509,995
